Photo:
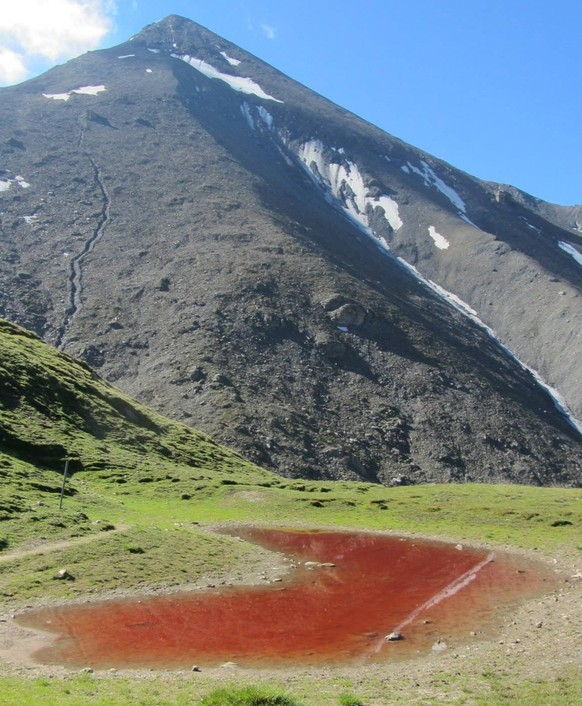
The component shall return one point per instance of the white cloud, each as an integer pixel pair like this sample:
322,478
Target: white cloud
53,30
12,68
270,31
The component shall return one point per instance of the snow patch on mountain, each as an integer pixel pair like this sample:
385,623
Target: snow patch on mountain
30,219
265,116
155,51
58,96
245,109
83,91
433,181
390,210
529,225
126,56
237,83
231,61
468,220
455,301
255,115
439,240
430,179
89,90
571,250
7,182
343,181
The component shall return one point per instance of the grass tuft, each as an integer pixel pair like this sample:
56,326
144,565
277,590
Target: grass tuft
350,700
248,696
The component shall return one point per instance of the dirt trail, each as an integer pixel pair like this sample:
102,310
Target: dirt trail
56,546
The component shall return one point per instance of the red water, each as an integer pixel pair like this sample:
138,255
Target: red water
340,614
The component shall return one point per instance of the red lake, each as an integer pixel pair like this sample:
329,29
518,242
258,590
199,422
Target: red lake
336,614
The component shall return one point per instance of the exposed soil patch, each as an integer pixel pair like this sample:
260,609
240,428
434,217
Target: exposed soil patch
55,546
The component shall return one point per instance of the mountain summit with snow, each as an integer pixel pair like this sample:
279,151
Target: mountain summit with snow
239,253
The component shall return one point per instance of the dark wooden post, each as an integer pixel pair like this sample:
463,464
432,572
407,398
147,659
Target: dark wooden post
66,470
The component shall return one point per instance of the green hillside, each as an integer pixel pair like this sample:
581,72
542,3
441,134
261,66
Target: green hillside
53,408
143,493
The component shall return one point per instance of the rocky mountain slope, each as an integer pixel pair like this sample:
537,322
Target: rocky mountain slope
238,252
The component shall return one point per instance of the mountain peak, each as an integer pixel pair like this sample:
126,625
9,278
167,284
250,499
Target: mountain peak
177,34
170,23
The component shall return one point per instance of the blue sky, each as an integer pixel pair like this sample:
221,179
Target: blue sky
492,86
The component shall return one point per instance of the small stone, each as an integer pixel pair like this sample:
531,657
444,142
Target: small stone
197,374
393,637
398,480
540,624
196,668
440,646
351,314
86,670
164,284
64,575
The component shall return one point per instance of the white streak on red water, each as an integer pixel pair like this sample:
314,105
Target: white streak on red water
447,592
